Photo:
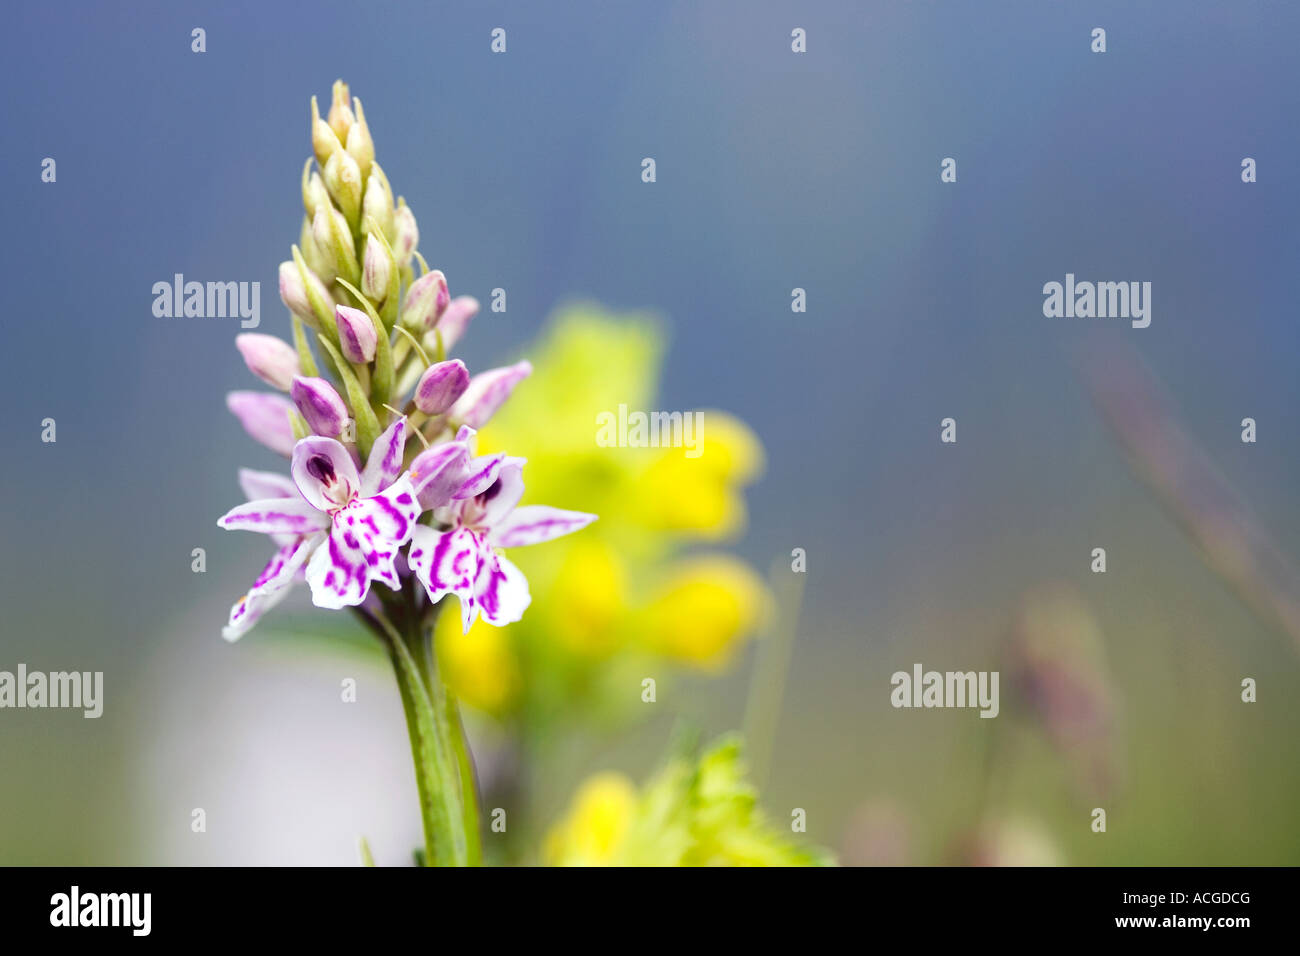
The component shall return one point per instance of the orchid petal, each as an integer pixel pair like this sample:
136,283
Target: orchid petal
533,524
500,498
266,484
325,473
438,473
487,392
385,461
480,474
248,610
265,417
274,516
501,591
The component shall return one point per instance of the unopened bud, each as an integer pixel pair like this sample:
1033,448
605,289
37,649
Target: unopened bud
294,294
378,203
322,407
271,359
357,335
408,235
455,320
440,386
334,240
314,194
343,181
425,301
376,270
359,144
324,141
341,117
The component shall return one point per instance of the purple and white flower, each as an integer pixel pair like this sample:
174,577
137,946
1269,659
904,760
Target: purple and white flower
285,566
352,525
464,560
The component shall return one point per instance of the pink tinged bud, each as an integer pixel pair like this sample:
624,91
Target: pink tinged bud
425,301
294,295
265,417
408,234
272,360
487,392
376,270
321,406
358,337
456,319
440,386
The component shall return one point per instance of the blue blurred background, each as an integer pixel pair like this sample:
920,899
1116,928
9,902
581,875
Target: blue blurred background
775,170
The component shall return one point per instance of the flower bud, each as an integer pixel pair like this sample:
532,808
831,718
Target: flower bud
455,319
316,260
487,392
408,235
265,417
359,144
314,194
324,141
378,203
271,359
294,295
357,335
343,181
334,241
341,117
440,386
376,270
321,406
425,301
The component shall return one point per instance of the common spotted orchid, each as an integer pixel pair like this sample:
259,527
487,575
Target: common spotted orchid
464,557
368,369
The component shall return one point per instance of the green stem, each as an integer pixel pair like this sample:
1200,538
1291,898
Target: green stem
437,777
468,782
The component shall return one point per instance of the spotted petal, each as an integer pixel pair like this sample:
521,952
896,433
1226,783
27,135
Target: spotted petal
385,461
363,545
460,562
274,516
533,524
271,585
325,473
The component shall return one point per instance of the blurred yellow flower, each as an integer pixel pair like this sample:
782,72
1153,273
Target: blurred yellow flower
700,495
708,605
479,666
593,832
694,812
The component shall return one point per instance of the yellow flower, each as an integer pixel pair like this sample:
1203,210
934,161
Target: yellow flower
479,667
694,812
593,832
706,608
701,495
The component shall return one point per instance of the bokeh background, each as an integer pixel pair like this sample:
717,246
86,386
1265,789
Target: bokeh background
775,170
